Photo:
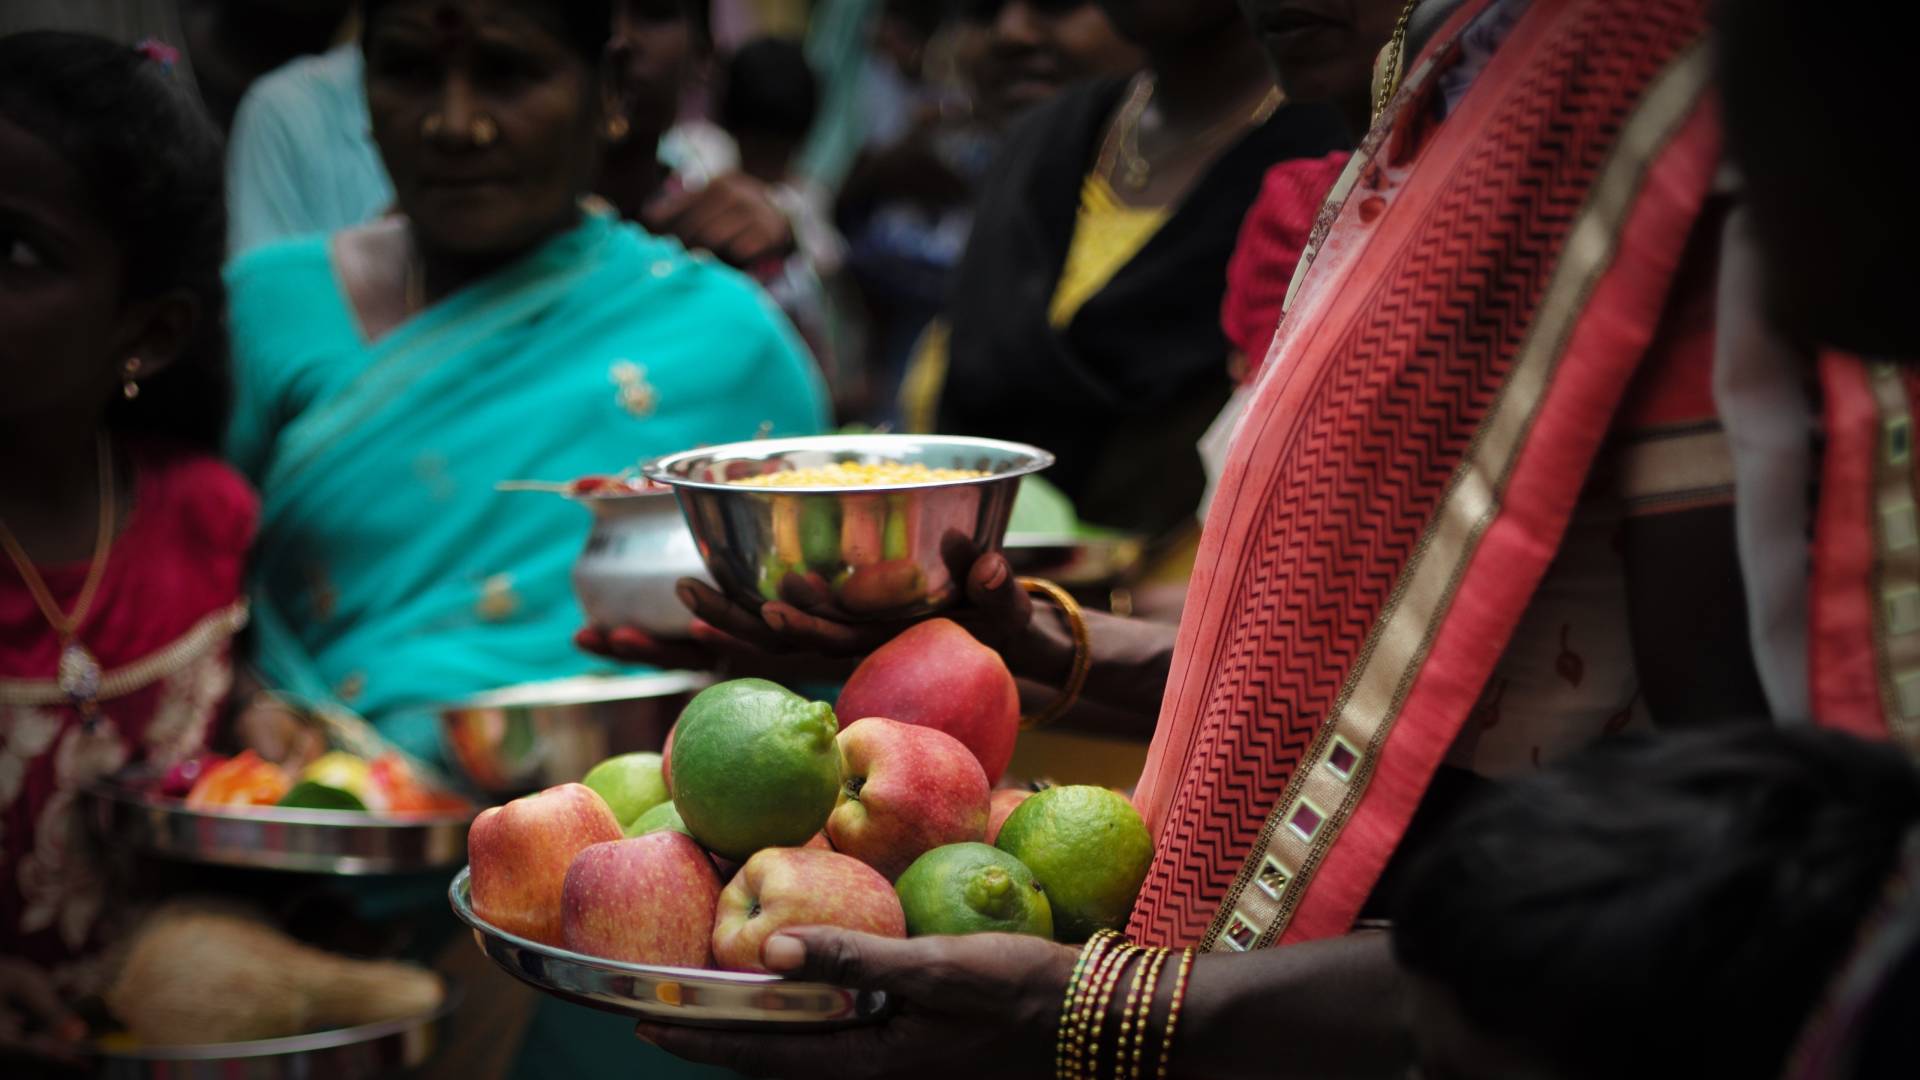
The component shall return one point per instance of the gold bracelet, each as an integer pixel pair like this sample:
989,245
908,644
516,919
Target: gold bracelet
1105,1005
1082,650
1154,968
1085,1060
1093,947
1173,1009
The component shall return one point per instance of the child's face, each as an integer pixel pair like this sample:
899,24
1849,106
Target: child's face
63,341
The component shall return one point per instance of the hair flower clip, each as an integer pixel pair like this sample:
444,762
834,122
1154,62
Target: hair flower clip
159,52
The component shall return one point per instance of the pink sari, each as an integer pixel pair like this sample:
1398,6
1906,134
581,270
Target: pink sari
1482,296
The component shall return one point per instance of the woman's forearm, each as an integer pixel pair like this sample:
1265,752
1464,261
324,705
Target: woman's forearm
1131,659
1319,1010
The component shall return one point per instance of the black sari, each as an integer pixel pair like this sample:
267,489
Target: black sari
1124,392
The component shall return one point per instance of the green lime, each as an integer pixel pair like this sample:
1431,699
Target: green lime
664,816
973,889
754,766
312,795
631,784
1089,849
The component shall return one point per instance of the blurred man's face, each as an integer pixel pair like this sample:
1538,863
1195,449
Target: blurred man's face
1033,48
1323,50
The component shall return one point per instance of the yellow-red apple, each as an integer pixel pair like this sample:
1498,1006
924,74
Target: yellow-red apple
648,900
904,790
520,853
783,887
937,675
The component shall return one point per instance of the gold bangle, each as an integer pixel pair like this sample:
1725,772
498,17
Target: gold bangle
1104,1004
1093,947
1085,1059
1082,650
1154,968
1173,1009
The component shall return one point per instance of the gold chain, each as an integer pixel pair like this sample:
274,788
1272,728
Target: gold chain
67,625
1123,138
1390,72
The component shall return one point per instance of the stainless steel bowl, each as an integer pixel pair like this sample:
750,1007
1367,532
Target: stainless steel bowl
638,548
523,738
884,551
689,997
342,842
385,1049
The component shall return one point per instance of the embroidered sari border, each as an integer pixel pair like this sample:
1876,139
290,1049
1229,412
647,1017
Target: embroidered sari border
1895,576
1292,844
205,635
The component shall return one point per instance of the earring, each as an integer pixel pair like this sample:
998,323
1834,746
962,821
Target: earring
483,132
129,379
432,126
618,128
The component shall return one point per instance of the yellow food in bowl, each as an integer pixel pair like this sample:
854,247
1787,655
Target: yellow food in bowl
858,474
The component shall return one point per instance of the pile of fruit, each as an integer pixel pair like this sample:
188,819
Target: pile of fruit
879,818
333,781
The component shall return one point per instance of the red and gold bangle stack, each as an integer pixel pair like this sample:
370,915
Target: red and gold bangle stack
1102,965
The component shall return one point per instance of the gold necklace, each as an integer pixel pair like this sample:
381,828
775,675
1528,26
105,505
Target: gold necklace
1123,140
79,671
1389,74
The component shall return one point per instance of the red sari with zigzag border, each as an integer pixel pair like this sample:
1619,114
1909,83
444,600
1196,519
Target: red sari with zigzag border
1414,449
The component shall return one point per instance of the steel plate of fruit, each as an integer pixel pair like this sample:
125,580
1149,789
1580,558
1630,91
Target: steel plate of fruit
687,996
356,1053
320,841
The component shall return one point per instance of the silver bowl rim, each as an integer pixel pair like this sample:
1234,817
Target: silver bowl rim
459,895
289,1045
660,470
115,790
589,690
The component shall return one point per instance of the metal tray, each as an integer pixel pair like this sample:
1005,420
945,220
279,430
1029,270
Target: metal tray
735,1001
357,1053
270,838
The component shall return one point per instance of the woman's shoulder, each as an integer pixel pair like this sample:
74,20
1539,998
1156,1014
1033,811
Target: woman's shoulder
1070,114
695,278
280,263
285,297
198,497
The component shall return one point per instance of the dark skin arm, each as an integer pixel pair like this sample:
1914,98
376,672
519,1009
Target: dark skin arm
989,1004
1131,657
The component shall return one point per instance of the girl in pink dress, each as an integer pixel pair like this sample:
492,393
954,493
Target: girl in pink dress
124,536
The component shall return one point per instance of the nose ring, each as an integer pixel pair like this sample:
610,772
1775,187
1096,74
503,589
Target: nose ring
484,131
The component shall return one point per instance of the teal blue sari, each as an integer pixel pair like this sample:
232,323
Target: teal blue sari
391,575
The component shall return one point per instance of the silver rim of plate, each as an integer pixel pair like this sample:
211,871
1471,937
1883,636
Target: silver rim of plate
1012,460
343,842
364,1051
688,997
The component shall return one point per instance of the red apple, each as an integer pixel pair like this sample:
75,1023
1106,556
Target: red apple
783,887
1003,803
520,854
904,790
936,675
648,900
819,842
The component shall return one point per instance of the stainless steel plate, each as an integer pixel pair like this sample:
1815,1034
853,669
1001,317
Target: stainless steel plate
734,1001
271,838
357,1053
